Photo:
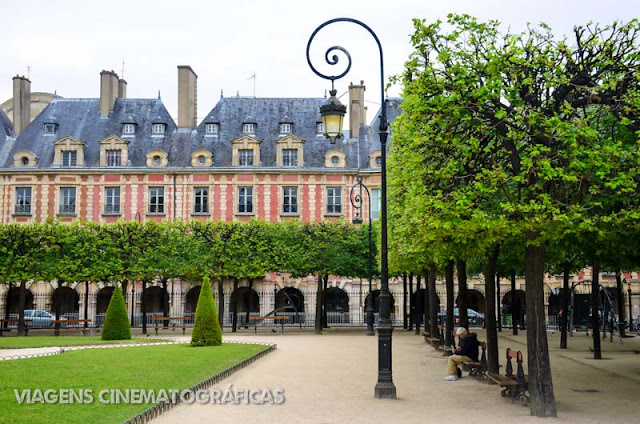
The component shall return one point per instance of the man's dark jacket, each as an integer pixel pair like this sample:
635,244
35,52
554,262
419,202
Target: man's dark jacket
469,346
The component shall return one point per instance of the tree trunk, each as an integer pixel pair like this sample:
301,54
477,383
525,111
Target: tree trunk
143,306
448,278
221,304
86,304
234,307
249,302
411,305
425,302
58,311
7,307
566,298
165,300
515,305
405,322
22,299
498,303
325,283
490,309
318,323
595,306
620,303
543,403
463,304
434,306
418,313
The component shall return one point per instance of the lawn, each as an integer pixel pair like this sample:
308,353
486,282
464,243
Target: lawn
46,341
168,367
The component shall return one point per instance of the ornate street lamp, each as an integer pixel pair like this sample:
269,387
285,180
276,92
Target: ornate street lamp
356,201
384,387
332,116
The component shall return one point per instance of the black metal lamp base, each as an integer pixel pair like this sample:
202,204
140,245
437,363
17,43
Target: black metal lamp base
385,390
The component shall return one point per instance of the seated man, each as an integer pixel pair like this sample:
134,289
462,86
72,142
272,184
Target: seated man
467,351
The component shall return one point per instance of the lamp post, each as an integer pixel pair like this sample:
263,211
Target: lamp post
333,113
356,201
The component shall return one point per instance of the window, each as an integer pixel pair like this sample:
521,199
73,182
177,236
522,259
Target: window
67,200
114,157
157,129
289,157
112,200
23,200
200,200
69,158
129,129
49,129
245,199
157,160
25,160
156,200
290,199
211,129
202,159
335,159
379,160
285,128
249,128
245,157
334,200
375,204
319,128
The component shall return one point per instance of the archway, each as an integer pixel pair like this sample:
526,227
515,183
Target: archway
191,300
248,302
376,302
475,300
508,302
66,301
12,301
292,302
153,298
337,303
103,297
418,302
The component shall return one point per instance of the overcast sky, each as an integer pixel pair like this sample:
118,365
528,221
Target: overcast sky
66,43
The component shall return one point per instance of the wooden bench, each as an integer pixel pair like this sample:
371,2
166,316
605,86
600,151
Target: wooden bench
13,321
479,369
281,318
70,321
168,319
513,386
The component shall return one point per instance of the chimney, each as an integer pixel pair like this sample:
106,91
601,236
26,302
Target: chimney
21,103
108,91
357,110
187,97
122,89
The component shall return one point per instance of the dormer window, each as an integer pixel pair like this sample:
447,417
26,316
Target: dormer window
50,129
129,129
158,129
319,129
69,158
114,157
248,128
24,160
285,128
211,129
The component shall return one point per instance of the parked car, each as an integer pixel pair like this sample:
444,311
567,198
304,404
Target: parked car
40,318
475,318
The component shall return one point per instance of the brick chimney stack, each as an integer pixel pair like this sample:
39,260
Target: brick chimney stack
21,103
108,91
122,89
357,110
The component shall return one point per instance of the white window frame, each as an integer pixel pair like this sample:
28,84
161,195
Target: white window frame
211,129
245,200
156,200
290,200
248,128
158,129
245,157
68,158
49,129
67,200
201,200
319,128
375,204
112,200
334,200
128,129
285,128
290,157
23,200
114,157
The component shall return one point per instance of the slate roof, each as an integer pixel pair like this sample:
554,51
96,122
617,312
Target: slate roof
6,136
80,119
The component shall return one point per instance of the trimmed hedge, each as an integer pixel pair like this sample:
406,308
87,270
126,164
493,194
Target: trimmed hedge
206,327
116,324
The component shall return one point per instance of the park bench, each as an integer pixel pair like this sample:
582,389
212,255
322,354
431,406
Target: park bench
281,318
513,386
168,319
479,369
13,321
433,341
70,321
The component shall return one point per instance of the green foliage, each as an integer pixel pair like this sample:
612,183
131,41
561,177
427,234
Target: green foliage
116,324
206,328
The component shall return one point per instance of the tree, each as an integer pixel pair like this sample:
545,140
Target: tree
206,327
116,323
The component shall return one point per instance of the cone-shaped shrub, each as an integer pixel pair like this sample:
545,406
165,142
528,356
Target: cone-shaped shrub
116,324
206,328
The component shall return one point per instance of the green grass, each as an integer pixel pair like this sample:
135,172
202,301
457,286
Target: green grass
141,367
12,342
